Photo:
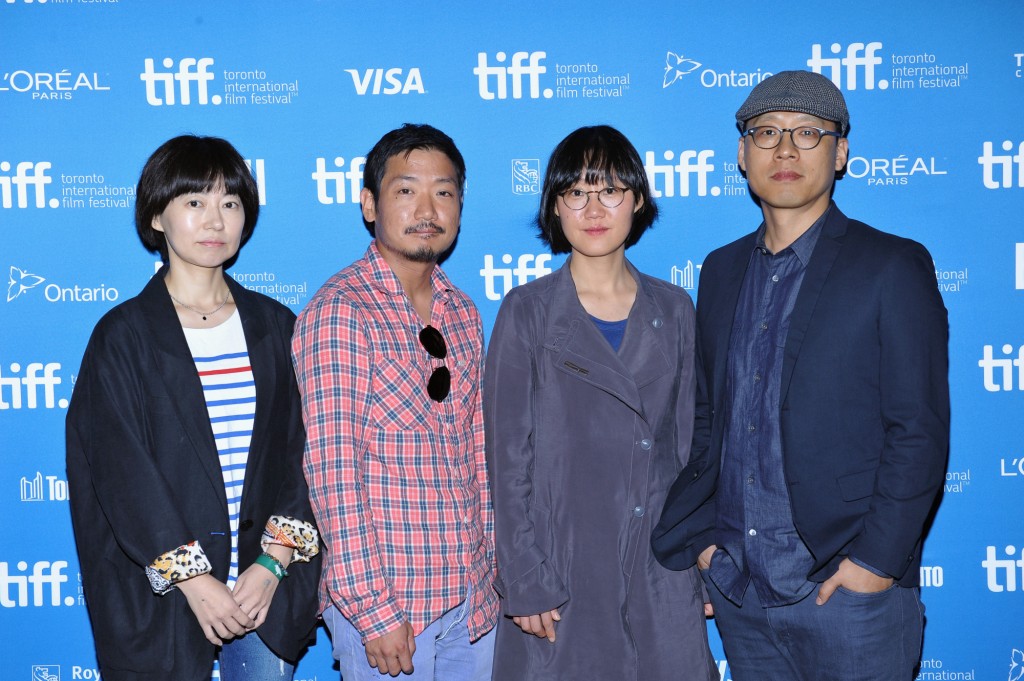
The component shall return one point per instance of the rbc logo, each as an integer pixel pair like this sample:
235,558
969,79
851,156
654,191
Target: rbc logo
1005,163
690,163
46,672
27,174
190,70
395,82
330,184
523,272
526,176
859,56
524,64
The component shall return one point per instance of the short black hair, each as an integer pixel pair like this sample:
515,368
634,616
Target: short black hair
187,164
594,154
404,140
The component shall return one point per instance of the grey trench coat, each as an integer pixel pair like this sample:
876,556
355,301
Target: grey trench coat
582,446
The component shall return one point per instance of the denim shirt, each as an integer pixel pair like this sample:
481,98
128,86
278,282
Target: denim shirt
755,518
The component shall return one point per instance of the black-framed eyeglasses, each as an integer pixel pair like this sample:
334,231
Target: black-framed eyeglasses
805,137
440,382
610,197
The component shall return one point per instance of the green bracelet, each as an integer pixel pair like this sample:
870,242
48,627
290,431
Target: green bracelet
272,564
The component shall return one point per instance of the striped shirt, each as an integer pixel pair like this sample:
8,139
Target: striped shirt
398,482
222,361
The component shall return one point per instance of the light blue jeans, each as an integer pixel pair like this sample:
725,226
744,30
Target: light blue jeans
443,650
249,659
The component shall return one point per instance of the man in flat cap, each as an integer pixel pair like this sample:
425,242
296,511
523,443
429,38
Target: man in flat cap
822,418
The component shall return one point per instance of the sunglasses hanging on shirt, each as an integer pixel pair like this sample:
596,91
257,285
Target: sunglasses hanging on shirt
440,382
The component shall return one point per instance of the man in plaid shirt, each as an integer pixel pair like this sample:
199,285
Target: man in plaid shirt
388,355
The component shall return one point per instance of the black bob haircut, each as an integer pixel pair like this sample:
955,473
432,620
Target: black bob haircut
404,140
594,154
187,164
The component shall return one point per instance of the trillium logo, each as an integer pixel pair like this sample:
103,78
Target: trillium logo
21,281
1016,665
677,66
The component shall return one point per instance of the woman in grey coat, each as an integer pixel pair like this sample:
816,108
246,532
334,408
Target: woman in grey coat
588,392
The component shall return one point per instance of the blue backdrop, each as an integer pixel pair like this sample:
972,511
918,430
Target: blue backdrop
89,88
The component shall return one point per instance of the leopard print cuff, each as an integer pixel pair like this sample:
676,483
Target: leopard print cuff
298,535
177,565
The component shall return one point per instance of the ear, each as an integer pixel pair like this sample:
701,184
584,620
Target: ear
638,206
842,152
739,156
368,205
557,214
157,225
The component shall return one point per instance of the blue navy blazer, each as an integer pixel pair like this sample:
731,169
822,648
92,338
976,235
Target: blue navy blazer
864,402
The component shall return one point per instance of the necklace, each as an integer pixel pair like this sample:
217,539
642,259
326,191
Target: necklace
200,312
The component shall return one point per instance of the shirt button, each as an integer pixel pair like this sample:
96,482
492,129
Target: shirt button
764,326
645,444
775,278
750,480
656,322
751,428
757,377
638,511
752,532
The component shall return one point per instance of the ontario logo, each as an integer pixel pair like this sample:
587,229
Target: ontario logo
1016,665
21,281
678,67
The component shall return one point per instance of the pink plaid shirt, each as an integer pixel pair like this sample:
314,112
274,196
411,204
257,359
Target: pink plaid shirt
398,482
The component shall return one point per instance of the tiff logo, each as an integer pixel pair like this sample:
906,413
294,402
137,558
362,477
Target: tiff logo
256,167
44,573
386,81
525,65
523,272
858,56
685,277
1007,566
1005,163
27,174
190,70
998,372
31,381
691,163
33,490
330,184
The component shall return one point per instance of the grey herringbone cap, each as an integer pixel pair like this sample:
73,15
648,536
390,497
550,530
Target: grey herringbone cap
801,91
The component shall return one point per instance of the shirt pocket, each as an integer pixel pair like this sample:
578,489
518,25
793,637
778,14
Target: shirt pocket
399,394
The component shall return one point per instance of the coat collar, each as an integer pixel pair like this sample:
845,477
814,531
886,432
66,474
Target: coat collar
584,353
176,369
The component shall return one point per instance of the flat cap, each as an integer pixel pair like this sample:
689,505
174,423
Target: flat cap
802,91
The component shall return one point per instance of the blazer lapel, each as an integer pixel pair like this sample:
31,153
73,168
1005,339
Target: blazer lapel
824,256
176,369
726,299
260,345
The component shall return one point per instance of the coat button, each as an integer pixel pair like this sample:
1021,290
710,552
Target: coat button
245,524
638,511
656,322
645,444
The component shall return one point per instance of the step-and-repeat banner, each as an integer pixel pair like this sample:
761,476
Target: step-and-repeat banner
89,88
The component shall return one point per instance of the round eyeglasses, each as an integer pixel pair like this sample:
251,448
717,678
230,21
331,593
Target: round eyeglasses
805,137
610,197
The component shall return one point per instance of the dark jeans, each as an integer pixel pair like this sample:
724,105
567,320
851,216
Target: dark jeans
853,637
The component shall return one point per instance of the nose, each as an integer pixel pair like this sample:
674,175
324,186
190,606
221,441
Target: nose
215,217
425,207
594,206
787,148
